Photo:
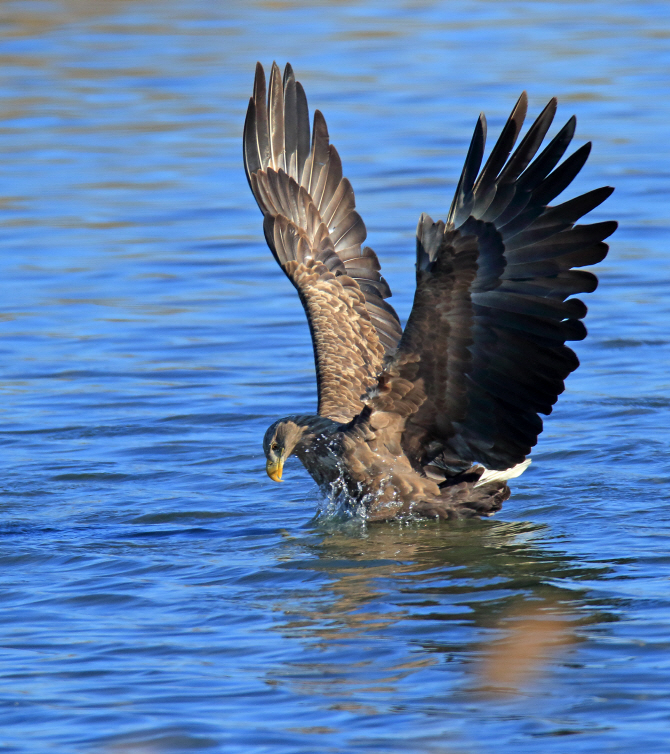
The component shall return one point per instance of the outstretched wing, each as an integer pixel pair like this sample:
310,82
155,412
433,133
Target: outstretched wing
492,309
315,234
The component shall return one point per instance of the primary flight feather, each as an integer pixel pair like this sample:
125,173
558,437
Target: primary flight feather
432,421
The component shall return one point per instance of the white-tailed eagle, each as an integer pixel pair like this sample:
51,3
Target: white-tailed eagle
432,420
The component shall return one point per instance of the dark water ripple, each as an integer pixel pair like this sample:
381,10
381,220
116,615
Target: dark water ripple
158,593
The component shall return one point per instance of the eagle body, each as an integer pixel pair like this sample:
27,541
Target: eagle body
351,463
432,420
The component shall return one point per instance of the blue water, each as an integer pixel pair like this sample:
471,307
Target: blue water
159,593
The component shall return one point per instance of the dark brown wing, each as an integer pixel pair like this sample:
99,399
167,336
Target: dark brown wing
492,311
315,234
279,162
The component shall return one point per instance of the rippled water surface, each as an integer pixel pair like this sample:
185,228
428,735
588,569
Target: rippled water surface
159,593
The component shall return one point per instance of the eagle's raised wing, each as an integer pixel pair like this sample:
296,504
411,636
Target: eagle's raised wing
485,342
315,234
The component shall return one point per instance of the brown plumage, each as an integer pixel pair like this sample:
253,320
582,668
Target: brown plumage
434,420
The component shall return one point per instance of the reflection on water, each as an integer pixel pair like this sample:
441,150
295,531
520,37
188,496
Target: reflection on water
472,590
533,638
159,594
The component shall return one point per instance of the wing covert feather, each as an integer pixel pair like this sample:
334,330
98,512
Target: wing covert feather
336,313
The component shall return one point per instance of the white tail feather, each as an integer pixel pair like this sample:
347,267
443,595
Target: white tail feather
491,475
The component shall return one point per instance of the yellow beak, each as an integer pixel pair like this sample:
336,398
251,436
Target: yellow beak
274,470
